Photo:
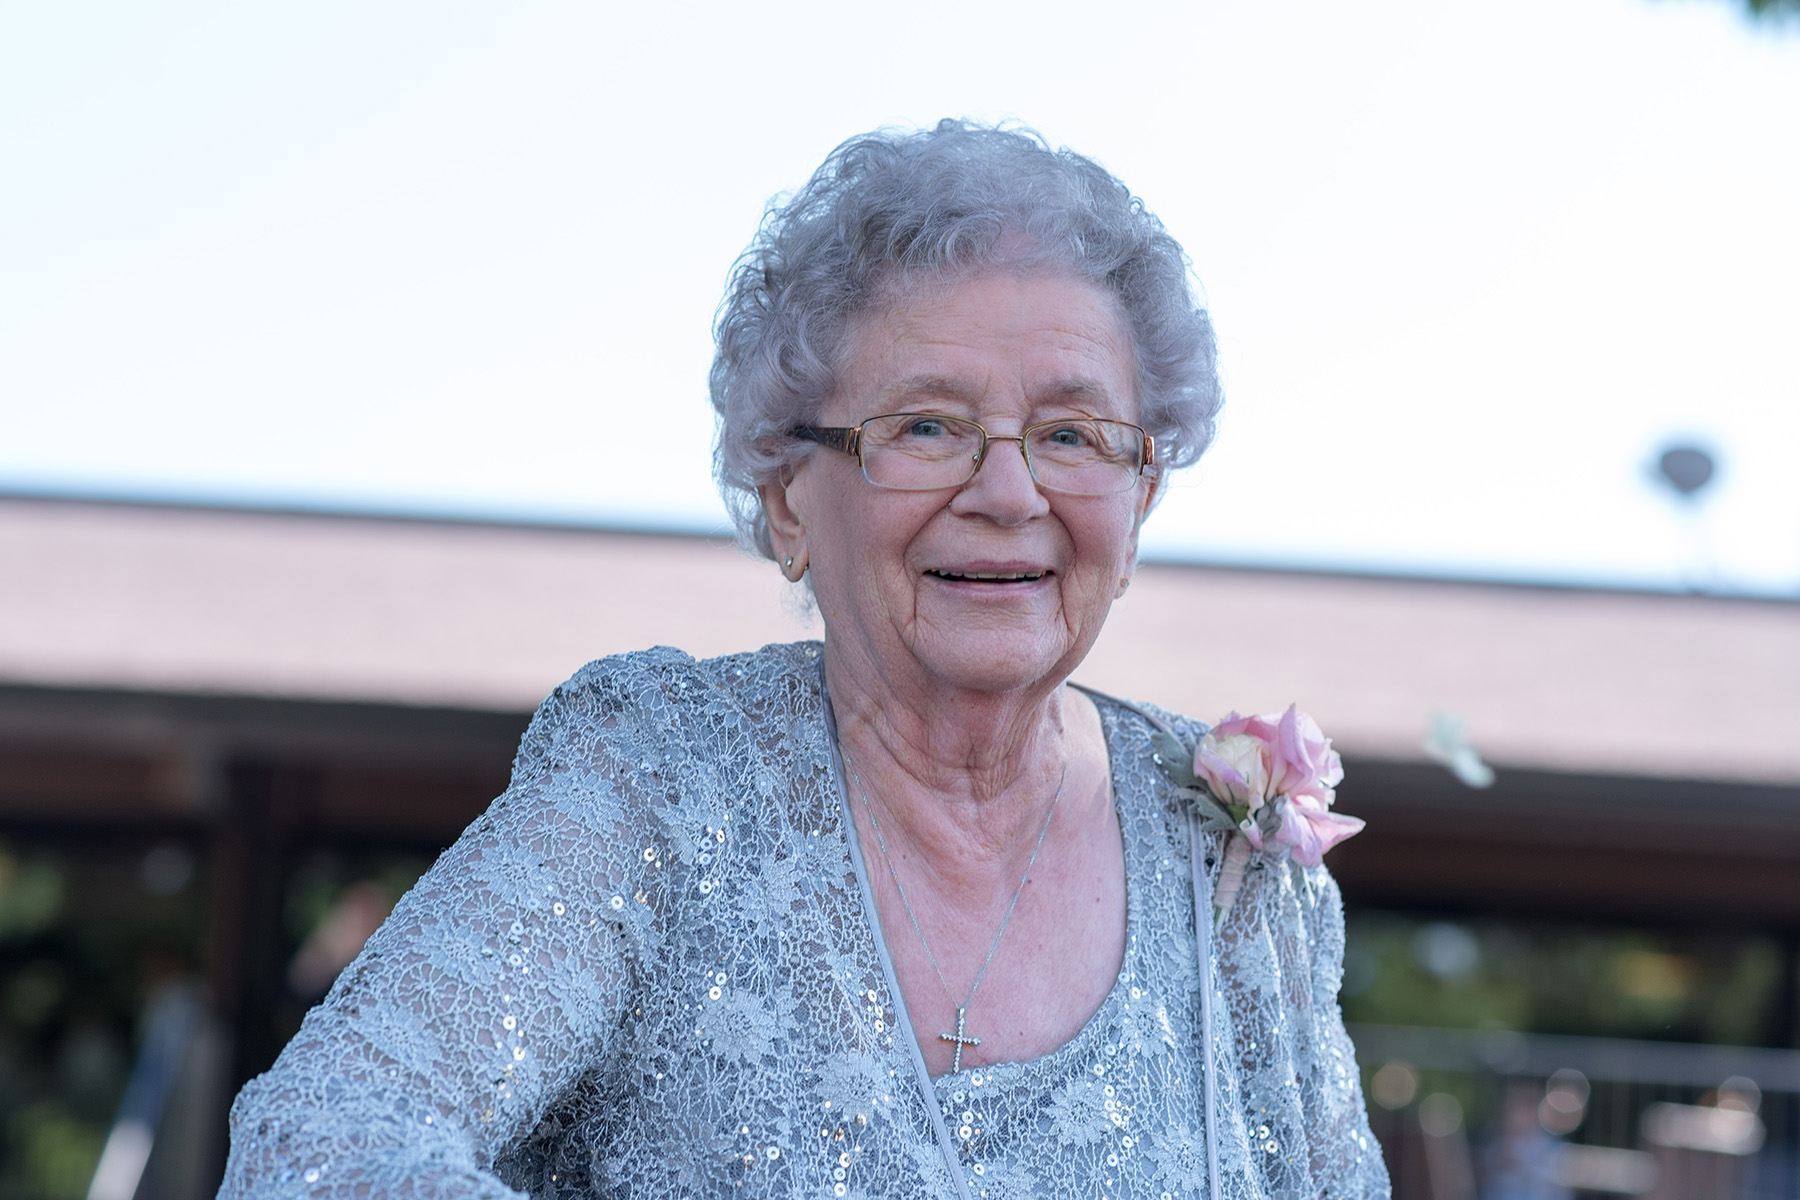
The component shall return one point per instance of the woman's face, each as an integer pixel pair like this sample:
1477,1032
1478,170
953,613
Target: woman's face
905,580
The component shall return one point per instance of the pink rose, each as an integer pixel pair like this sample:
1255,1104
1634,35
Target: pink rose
1281,760
1234,768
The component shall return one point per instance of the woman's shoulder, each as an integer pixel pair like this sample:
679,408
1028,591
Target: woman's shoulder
653,739
666,690
623,678
1143,718
1138,737
623,731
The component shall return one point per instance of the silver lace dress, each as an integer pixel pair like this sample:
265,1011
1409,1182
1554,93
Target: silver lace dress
652,970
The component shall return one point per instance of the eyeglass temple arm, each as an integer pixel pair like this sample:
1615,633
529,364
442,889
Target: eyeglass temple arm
846,440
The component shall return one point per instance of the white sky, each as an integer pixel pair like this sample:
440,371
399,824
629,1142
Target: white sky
1471,265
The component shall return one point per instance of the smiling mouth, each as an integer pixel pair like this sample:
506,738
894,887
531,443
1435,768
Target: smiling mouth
988,576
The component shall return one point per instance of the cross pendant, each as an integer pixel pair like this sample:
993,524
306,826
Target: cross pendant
961,1040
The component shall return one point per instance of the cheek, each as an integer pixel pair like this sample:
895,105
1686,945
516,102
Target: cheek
826,510
1107,541
860,539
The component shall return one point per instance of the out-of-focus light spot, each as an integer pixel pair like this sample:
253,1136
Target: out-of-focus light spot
1446,950
1440,1115
1395,1085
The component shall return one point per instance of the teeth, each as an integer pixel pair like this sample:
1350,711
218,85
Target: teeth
998,576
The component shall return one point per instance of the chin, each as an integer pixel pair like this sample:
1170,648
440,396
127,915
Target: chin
1000,664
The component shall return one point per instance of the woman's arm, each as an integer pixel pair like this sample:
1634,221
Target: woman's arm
492,989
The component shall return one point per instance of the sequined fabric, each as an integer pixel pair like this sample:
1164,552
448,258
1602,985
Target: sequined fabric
650,970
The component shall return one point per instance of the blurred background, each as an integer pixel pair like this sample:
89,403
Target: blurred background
352,394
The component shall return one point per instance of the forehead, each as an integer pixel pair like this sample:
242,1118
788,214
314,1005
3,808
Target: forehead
993,342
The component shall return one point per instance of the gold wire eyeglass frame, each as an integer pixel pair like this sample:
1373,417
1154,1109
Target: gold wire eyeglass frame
849,439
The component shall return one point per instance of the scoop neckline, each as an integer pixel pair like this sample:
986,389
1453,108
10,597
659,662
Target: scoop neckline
1013,1070
1111,713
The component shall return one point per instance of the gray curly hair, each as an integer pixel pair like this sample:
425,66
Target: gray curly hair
939,203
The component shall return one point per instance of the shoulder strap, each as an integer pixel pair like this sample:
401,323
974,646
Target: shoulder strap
1127,705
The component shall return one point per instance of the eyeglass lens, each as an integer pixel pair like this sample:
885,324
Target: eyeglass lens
924,451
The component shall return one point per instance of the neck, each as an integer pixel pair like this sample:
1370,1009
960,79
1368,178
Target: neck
962,785
969,745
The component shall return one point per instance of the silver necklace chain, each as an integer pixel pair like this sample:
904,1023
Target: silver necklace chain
960,1038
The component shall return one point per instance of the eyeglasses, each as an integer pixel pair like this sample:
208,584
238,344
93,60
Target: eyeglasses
925,452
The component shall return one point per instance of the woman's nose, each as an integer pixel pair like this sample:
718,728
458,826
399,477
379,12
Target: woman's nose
1002,486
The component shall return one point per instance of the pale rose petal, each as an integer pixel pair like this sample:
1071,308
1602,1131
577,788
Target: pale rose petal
1265,728
1232,767
1297,833
1231,726
1325,761
1307,764
1311,834
1290,770
1220,779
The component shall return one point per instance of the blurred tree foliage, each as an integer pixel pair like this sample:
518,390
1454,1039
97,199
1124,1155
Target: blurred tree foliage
83,940
88,933
1717,986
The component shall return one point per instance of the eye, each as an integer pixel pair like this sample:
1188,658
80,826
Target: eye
1069,436
926,427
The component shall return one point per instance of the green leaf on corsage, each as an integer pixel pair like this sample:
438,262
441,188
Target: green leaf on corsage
1175,759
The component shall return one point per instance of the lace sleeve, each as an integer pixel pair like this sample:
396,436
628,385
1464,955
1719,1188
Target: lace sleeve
495,985
1300,1116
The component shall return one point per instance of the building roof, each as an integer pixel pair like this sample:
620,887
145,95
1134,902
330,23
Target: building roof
490,617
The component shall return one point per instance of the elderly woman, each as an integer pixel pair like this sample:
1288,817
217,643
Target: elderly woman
904,914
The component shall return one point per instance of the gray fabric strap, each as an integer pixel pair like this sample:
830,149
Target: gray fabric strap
1203,928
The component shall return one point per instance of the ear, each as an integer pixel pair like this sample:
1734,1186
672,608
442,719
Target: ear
1147,505
787,528
1127,570
1152,491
